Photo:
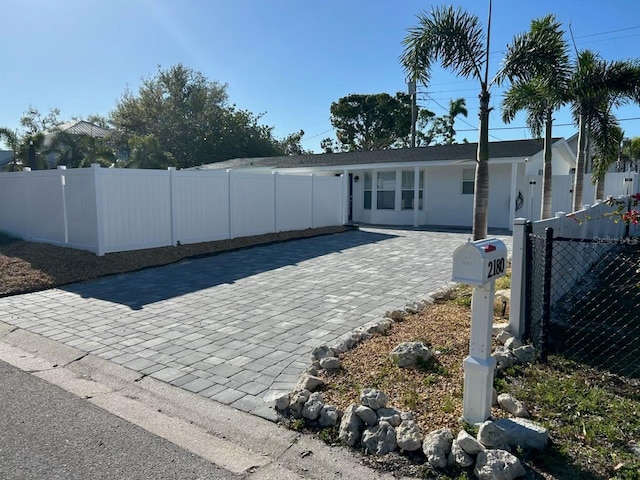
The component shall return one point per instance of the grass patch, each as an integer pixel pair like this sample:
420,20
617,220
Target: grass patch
593,418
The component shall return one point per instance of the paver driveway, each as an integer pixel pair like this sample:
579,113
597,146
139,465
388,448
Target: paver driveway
239,326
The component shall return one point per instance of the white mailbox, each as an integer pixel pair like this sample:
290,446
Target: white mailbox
479,262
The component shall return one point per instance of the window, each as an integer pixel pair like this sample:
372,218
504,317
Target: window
368,183
468,181
407,190
386,191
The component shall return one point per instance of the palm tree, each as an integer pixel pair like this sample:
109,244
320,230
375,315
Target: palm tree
537,64
607,140
446,123
593,84
456,39
630,154
11,139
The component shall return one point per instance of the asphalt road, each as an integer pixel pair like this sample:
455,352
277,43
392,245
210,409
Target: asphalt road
47,433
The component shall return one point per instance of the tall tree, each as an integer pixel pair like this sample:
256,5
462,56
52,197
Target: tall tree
444,125
630,155
607,140
371,122
456,39
538,67
191,118
593,83
32,121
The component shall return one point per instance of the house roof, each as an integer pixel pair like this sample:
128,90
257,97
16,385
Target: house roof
463,151
6,156
81,128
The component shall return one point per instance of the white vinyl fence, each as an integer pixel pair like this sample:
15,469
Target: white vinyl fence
114,210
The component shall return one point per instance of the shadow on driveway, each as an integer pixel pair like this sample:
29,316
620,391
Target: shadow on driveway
138,289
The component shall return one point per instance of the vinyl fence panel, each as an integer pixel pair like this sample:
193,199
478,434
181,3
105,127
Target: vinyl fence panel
252,204
294,197
200,207
80,207
136,209
45,206
327,201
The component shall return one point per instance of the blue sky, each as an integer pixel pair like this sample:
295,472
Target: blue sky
287,58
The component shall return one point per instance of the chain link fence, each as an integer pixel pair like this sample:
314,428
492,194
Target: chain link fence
585,304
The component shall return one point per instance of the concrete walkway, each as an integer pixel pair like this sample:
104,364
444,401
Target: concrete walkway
239,326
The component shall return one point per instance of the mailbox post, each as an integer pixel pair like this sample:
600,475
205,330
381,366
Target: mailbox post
478,264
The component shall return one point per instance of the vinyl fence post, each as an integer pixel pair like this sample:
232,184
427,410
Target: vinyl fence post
99,219
229,204
528,266
275,201
516,310
28,218
313,185
63,184
173,208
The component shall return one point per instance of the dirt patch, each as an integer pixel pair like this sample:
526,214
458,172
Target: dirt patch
28,266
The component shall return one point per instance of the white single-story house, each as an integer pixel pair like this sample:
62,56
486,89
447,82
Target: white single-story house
427,186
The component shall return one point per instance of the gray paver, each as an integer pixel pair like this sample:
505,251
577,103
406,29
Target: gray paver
241,324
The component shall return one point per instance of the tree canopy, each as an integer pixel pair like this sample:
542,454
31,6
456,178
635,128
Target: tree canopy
191,119
371,121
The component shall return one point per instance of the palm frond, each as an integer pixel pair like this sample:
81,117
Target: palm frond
450,36
529,96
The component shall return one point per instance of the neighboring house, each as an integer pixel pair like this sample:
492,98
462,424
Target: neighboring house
381,187
80,127
6,157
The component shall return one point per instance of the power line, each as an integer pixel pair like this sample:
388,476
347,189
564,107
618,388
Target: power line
475,129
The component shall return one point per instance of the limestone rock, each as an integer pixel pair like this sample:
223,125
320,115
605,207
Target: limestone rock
328,416
468,443
407,354
524,433
367,415
459,457
411,308
313,369
503,336
396,315
498,465
390,415
492,436
511,405
406,416
494,397
313,406
503,295
436,446
408,435
282,401
504,358
298,399
512,343
373,398
308,382
321,352
342,345
525,354
351,427
383,326
330,363
380,440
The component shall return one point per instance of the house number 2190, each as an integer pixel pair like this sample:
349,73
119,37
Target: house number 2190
496,267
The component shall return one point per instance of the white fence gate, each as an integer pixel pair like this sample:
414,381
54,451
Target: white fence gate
113,210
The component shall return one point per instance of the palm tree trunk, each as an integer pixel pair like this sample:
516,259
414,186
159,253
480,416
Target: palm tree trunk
599,187
481,197
578,184
547,177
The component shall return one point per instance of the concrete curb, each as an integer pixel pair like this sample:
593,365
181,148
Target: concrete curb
242,443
